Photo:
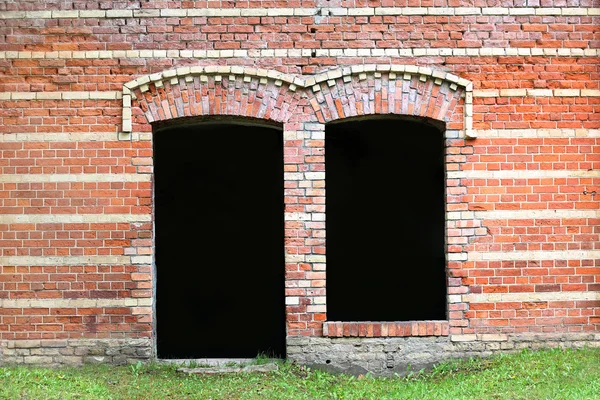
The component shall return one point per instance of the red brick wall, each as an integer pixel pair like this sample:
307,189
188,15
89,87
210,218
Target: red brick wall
76,158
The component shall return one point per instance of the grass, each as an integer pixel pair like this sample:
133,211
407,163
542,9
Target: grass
546,374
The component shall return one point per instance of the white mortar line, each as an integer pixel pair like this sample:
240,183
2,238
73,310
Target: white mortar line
536,93
73,218
75,303
536,133
284,53
536,214
61,137
529,296
66,260
522,174
288,12
107,95
23,178
533,255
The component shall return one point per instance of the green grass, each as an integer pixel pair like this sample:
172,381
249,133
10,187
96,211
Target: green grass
547,374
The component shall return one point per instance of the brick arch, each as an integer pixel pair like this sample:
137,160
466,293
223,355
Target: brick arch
211,90
266,94
397,89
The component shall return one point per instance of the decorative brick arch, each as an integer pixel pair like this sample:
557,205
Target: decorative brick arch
392,89
211,90
334,94
304,104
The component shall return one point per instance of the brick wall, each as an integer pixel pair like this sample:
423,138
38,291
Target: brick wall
517,84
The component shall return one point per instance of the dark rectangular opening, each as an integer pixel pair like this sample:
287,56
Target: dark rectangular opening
219,241
385,207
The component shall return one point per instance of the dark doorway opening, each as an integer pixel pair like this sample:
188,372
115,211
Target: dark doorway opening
385,205
219,240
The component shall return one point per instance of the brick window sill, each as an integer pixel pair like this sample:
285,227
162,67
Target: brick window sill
385,329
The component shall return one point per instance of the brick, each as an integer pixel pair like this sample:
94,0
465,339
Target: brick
78,118
361,11
173,12
119,13
567,92
144,13
547,11
65,14
463,338
26,344
513,92
493,338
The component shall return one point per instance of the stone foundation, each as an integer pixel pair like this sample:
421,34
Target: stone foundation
378,356
389,356
75,351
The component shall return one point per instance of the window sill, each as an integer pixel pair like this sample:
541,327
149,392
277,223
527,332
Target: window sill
385,329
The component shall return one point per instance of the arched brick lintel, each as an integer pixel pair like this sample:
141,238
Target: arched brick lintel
202,91
267,94
403,90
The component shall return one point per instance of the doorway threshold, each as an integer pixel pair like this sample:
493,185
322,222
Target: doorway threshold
216,362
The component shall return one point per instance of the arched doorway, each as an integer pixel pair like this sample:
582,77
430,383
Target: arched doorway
219,214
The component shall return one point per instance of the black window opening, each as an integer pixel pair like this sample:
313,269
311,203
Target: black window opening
219,241
385,220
